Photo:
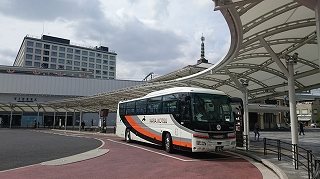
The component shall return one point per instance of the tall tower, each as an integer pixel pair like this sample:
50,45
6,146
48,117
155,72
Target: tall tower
202,58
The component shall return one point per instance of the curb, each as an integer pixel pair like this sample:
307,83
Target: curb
265,162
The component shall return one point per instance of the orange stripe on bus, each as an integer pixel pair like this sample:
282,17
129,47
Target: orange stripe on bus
183,144
141,130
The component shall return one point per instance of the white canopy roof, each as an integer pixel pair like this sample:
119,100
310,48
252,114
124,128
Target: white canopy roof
263,33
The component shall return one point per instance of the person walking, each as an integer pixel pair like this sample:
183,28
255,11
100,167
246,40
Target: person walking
301,125
256,131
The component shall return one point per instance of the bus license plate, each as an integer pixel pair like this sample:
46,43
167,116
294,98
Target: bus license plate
219,148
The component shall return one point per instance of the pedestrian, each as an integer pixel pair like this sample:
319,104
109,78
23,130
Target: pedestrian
83,124
256,131
301,125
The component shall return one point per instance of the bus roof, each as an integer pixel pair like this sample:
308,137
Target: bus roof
179,90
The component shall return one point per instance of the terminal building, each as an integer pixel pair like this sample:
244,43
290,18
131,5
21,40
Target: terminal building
57,53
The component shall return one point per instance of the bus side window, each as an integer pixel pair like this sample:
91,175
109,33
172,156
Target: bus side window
122,109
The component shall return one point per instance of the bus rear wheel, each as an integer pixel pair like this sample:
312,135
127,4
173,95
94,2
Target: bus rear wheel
168,143
127,136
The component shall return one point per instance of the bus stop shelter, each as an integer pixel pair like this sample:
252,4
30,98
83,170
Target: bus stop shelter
274,52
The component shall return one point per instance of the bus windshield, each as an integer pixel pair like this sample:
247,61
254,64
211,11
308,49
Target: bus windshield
211,108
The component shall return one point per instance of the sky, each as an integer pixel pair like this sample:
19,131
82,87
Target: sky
158,36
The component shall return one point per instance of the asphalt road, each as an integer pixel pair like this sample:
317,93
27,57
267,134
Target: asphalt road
26,147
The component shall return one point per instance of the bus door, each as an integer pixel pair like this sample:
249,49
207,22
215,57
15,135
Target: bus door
185,120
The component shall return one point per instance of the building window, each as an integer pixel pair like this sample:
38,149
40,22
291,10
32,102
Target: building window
104,72
28,63
45,59
98,66
84,64
91,70
68,67
105,62
39,45
45,52
84,52
46,46
98,71
315,111
69,56
62,55
99,55
91,60
53,66
105,67
98,60
91,54
111,68
62,49
84,58
28,56
112,63
105,56
77,57
54,54
83,69
111,78
76,63
30,50
76,68
91,65
98,76
61,61
37,51
44,65
111,73
69,50
304,111
112,57
54,47
61,67
37,57
69,62
53,60
76,51
30,44
36,64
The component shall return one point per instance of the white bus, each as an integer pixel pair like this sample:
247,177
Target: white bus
185,118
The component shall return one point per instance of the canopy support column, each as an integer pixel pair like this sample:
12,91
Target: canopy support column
317,10
54,118
11,108
245,84
80,120
292,105
65,120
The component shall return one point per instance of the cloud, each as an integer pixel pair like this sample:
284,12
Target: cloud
40,10
6,56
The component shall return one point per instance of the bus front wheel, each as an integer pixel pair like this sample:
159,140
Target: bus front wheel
168,143
127,137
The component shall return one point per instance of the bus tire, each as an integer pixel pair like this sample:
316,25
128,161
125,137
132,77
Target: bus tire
127,136
168,143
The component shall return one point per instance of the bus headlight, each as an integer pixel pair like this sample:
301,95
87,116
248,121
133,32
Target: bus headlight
201,143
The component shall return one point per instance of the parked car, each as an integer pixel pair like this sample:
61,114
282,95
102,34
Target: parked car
313,125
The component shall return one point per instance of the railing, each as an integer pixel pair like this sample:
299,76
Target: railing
300,156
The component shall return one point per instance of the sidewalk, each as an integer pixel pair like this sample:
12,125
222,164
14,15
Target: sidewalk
285,167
